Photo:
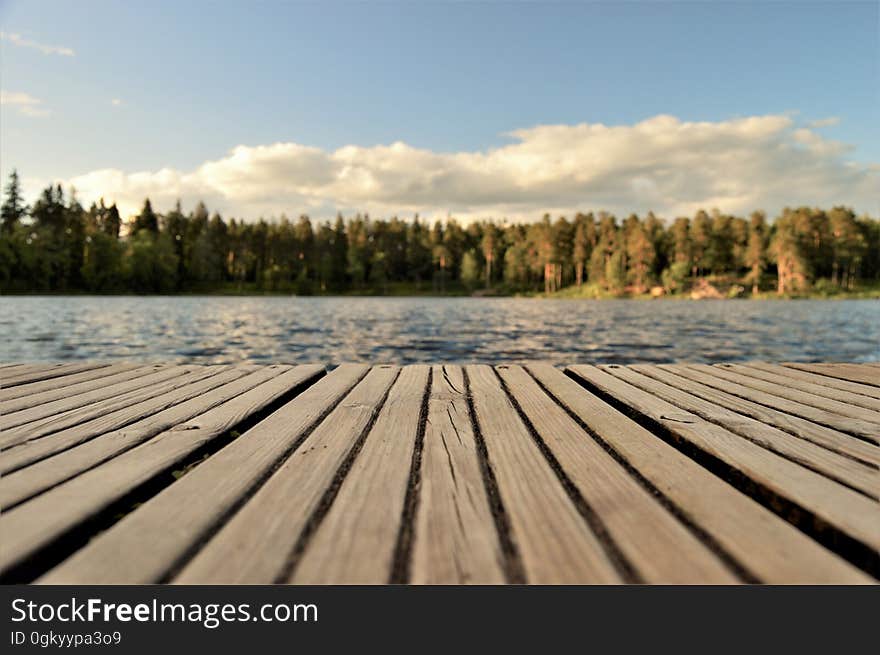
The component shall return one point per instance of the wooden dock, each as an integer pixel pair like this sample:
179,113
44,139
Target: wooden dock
732,473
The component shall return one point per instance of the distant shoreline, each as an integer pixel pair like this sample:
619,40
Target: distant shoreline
873,294
703,288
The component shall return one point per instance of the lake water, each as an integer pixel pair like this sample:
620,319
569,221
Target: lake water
407,330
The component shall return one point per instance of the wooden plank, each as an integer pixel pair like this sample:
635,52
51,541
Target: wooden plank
787,391
29,367
173,378
766,547
35,393
814,378
44,372
40,523
110,395
28,481
554,542
436,487
355,542
656,545
839,395
837,467
845,510
194,383
258,543
455,540
802,428
114,374
141,549
163,381
850,372
864,430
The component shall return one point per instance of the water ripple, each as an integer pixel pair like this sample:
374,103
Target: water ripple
409,330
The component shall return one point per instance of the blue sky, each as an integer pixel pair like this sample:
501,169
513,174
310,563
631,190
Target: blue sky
193,80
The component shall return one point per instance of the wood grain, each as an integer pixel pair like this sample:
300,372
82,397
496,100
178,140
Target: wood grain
658,547
26,482
455,539
849,372
21,452
108,393
165,382
42,521
841,395
846,510
815,378
257,545
355,542
38,372
828,438
131,473
555,543
727,372
862,429
758,541
828,463
38,393
147,545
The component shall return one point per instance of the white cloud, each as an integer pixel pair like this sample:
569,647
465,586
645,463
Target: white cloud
663,164
34,112
26,104
22,42
831,121
17,98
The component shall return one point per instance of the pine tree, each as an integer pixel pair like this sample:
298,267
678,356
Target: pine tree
470,269
489,245
339,246
791,264
175,225
848,247
640,256
48,211
112,221
681,242
656,232
756,251
719,255
146,220
14,208
582,245
700,236
74,242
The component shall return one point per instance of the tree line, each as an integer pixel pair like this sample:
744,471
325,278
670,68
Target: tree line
59,246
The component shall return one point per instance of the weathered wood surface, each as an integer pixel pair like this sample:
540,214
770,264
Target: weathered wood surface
441,474
32,373
779,398
653,544
825,381
13,399
851,513
451,544
842,395
65,507
852,372
262,542
128,387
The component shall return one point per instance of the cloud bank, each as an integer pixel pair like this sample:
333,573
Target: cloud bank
663,164
22,42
